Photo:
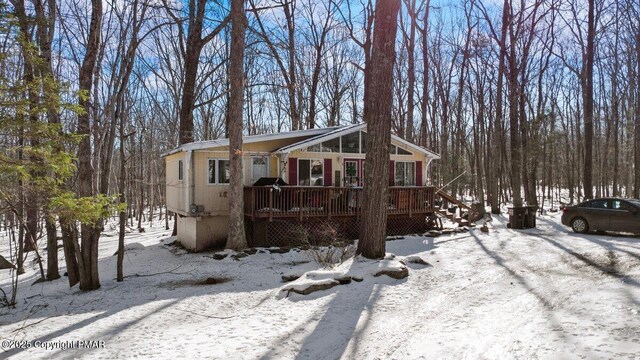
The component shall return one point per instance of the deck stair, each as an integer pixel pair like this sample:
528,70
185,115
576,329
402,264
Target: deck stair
453,216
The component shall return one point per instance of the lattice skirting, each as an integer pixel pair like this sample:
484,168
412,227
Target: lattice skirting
293,232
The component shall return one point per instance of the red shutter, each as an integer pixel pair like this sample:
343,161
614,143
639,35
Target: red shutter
293,171
419,173
392,173
327,171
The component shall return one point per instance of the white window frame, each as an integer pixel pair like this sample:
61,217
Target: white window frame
215,171
415,173
310,167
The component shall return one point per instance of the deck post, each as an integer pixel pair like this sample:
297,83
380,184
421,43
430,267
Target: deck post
329,200
410,202
253,203
357,192
300,202
270,204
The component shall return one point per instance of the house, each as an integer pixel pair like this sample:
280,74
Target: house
323,169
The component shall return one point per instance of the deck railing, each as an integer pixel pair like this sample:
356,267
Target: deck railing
303,202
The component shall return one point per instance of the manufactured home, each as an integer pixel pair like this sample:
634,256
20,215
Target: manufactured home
319,176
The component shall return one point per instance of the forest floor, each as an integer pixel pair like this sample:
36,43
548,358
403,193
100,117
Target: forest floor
538,293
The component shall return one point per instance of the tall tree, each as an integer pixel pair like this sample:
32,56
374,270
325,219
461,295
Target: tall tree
636,187
195,41
236,239
410,44
587,100
288,70
46,20
377,115
425,76
88,257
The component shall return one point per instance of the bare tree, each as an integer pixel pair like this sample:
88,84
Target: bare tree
377,116
237,239
195,41
87,255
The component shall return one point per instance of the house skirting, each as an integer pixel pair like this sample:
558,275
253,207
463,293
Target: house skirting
202,232
322,231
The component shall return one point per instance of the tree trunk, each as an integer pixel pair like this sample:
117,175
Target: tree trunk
636,187
498,137
123,212
514,130
52,247
69,241
411,69
587,103
237,239
425,77
88,263
373,224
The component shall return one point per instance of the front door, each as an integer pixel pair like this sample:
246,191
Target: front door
353,172
259,167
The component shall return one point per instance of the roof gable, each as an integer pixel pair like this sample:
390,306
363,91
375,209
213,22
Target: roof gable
320,138
348,130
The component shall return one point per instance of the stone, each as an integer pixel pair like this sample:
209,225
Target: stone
418,260
435,233
290,277
395,274
344,280
219,256
314,288
239,256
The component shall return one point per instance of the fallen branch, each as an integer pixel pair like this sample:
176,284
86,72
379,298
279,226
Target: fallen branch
209,316
33,323
172,271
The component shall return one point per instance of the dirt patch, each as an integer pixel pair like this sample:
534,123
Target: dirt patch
212,280
606,264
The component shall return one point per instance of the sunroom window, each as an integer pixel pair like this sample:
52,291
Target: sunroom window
351,143
332,145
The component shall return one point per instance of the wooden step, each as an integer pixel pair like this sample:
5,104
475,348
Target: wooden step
467,224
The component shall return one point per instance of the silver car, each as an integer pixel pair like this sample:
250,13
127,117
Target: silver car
606,214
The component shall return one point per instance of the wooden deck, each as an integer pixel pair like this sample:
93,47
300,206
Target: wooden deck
299,202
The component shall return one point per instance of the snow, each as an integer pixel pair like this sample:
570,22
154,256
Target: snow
539,293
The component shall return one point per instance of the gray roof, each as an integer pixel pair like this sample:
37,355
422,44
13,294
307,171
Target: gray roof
313,137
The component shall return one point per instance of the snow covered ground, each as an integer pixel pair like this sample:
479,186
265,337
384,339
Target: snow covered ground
540,293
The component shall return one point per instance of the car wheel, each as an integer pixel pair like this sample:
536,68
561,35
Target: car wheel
579,225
